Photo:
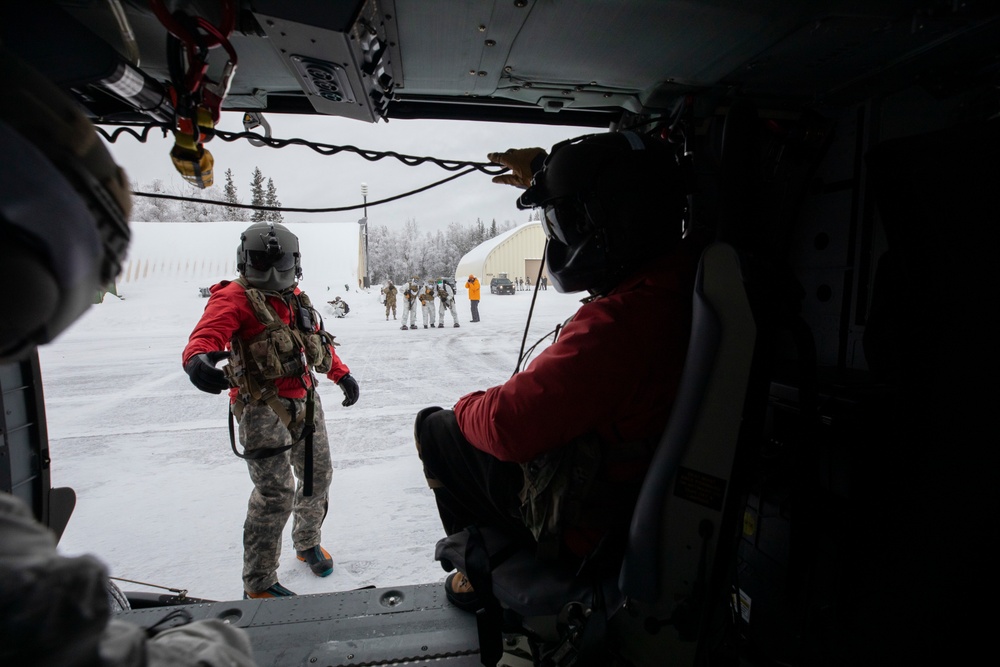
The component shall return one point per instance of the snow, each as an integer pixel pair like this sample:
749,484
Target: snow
160,496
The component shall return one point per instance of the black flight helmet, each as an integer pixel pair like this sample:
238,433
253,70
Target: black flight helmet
612,202
64,208
268,257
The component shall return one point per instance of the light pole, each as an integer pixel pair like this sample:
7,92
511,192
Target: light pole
364,230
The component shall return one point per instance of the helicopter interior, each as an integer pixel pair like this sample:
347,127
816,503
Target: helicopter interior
842,155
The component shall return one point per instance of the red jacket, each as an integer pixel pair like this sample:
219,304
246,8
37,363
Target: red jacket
228,313
613,370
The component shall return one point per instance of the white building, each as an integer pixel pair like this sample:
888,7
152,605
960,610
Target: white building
517,252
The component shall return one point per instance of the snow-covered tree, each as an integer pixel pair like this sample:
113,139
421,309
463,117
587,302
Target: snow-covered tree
272,200
257,196
230,197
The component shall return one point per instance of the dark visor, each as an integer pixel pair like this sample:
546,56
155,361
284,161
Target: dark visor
261,260
557,215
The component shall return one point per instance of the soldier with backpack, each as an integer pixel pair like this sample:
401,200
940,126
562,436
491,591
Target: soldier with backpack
339,307
446,301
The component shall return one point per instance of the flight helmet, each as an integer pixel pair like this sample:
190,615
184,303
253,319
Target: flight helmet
268,257
64,209
611,202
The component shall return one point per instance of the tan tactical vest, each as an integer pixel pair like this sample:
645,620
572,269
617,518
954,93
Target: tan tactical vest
280,350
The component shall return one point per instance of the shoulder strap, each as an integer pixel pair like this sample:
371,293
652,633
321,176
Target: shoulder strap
258,302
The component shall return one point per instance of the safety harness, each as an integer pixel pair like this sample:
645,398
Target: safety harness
280,350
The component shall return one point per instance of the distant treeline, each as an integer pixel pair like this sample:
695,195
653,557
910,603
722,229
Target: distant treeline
151,209
401,254
397,254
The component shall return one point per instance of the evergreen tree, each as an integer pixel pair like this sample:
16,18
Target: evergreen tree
230,197
480,231
493,228
257,196
272,200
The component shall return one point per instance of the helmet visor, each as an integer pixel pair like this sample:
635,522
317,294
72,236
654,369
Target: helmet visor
559,217
262,260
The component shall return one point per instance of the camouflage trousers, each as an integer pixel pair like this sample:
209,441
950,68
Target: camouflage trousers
390,305
277,494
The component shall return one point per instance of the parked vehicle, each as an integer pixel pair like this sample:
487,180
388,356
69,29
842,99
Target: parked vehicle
502,286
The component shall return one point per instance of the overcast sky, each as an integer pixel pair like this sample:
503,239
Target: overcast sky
304,178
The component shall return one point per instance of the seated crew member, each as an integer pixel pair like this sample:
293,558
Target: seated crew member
594,403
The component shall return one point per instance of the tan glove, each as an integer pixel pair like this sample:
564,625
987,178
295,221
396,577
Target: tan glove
520,162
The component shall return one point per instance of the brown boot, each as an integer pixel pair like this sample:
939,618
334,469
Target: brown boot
460,593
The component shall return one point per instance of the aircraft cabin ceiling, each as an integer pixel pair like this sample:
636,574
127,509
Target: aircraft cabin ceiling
555,61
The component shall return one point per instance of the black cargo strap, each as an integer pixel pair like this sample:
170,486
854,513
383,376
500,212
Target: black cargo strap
308,429
489,617
254,454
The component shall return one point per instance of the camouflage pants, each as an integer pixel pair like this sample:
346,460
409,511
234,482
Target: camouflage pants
276,493
390,305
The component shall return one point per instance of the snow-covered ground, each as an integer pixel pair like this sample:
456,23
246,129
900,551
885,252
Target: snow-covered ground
162,498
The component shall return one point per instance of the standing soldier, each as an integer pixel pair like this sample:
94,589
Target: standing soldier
427,303
446,297
389,299
410,293
472,284
272,336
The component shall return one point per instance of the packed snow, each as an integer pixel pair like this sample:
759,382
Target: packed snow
160,496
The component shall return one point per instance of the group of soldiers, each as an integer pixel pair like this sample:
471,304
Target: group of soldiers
525,283
417,293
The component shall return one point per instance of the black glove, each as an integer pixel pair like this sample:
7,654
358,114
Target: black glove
204,375
351,390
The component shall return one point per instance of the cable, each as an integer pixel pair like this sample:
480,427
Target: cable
323,149
142,136
525,355
290,209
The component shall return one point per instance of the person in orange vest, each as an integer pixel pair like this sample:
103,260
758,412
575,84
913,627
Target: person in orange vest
472,284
